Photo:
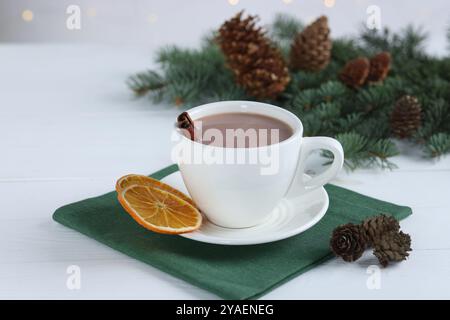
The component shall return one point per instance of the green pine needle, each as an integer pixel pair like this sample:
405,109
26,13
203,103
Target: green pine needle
437,145
149,82
285,27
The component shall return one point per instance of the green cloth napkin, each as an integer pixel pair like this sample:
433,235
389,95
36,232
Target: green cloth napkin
231,272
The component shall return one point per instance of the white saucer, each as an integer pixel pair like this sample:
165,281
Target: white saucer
288,219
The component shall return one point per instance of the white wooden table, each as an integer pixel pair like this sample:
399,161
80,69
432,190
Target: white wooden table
69,128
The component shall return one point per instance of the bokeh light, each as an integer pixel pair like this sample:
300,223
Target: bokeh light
92,12
233,2
152,18
329,3
27,15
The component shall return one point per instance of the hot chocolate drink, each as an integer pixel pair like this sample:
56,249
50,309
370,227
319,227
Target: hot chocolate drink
241,130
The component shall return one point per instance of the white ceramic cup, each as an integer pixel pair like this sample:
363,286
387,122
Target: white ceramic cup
239,195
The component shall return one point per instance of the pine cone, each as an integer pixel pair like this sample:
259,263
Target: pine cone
311,49
348,242
406,240
377,226
379,67
257,65
406,117
393,246
355,72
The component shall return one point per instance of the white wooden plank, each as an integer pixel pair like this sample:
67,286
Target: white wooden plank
129,279
425,275
419,188
46,79
100,279
84,147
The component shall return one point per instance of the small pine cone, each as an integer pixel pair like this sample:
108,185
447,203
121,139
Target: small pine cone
406,240
311,49
379,67
348,242
257,65
406,117
393,246
377,226
355,72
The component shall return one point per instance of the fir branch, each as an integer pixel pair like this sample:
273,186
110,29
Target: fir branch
349,122
374,97
359,119
332,90
197,76
376,40
448,38
437,145
283,31
147,82
309,98
285,27
380,151
408,43
411,44
436,120
375,127
354,146
345,49
360,151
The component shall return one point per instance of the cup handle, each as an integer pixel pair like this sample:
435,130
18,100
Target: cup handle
299,185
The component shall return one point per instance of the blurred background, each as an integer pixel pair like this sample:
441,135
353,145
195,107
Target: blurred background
157,22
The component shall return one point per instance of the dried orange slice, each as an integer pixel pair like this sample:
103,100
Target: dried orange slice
159,210
136,179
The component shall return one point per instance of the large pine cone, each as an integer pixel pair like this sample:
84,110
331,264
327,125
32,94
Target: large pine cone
406,117
348,242
379,67
393,246
311,49
377,226
257,65
355,72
